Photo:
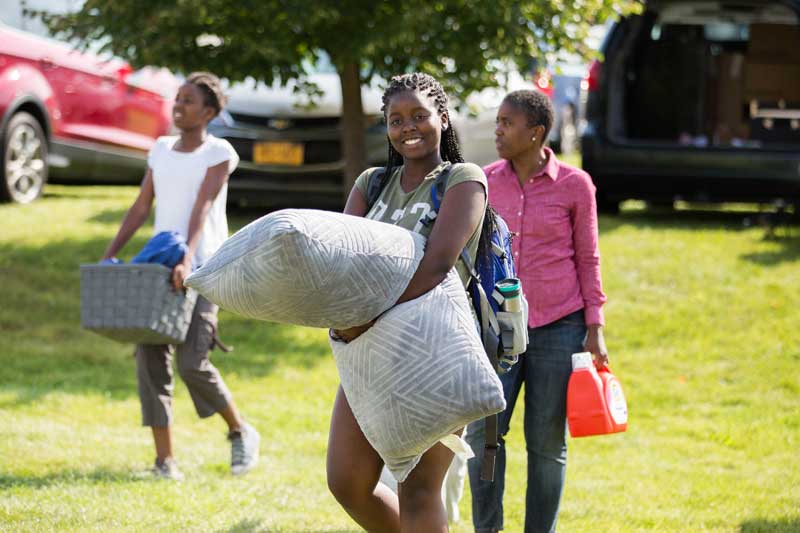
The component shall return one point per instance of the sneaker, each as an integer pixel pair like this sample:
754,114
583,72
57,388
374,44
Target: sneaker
168,469
244,449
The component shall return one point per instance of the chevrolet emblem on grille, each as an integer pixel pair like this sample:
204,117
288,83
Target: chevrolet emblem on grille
279,123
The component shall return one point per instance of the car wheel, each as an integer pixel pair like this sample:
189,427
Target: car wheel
24,170
568,133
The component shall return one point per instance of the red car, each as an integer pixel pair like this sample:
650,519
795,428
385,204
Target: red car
73,116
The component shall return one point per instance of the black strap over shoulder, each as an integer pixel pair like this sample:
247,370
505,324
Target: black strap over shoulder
490,448
439,188
437,193
374,186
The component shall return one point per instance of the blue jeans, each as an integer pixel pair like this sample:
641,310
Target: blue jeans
544,368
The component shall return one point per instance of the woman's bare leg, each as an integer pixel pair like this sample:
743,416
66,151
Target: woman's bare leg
421,506
354,470
162,436
231,416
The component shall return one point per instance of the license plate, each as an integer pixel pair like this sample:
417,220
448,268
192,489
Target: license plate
278,153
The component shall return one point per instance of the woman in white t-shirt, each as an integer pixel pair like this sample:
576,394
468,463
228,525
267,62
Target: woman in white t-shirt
187,176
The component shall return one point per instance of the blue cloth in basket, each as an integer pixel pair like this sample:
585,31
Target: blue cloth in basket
166,248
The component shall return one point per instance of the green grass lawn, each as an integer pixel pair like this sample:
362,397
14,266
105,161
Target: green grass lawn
702,326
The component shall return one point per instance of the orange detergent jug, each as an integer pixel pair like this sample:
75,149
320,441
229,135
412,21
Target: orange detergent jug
595,401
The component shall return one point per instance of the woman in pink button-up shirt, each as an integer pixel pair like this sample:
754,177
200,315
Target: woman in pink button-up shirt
551,208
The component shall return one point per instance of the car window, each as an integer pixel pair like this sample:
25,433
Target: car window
713,31
726,31
11,13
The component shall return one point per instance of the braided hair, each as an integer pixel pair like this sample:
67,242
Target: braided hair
211,88
449,148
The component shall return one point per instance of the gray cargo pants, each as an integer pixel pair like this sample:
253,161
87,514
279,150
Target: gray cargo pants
154,371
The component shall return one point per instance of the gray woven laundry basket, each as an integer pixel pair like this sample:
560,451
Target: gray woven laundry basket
134,303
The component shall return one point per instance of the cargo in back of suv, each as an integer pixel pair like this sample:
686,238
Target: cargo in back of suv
698,101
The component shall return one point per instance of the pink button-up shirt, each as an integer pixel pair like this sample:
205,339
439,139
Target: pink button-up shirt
556,255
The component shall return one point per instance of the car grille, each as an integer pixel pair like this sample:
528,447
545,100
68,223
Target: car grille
322,152
243,147
291,123
316,152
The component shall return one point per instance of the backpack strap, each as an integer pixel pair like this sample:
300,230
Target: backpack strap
490,448
375,186
489,329
438,189
437,193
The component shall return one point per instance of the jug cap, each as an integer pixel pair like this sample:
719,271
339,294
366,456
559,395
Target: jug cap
582,360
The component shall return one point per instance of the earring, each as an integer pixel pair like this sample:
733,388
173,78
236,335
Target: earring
533,139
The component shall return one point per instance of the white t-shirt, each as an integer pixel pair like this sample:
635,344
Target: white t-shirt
177,177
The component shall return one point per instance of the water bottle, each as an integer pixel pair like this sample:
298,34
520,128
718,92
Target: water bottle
510,289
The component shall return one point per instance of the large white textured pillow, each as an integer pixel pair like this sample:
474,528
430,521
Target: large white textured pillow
311,268
419,374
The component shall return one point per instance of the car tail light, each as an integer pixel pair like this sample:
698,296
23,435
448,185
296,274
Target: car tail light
591,81
544,83
123,72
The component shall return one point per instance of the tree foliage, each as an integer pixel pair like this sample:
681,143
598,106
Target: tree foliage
458,41
467,44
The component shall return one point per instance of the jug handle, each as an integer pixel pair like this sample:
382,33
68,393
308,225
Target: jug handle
602,368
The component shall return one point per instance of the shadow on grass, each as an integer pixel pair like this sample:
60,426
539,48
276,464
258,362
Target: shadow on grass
245,526
43,348
688,219
254,526
786,235
113,217
782,525
98,476
239,216
78,191
789,251
260,346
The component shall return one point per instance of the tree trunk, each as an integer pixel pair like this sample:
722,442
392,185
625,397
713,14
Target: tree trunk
353,146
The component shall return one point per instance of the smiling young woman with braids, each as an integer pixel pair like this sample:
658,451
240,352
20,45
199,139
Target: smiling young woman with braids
421,145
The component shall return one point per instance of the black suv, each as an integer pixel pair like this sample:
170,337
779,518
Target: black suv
697,100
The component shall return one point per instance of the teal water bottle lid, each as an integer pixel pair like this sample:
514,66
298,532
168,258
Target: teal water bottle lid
509,287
